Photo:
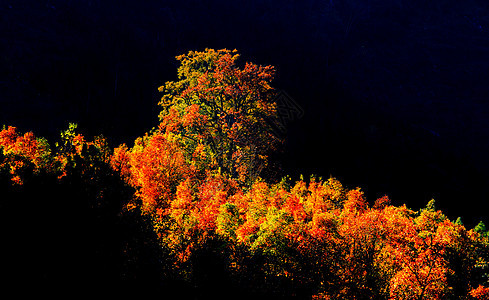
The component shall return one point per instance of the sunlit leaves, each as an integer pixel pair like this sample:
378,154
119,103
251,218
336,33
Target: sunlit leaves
316,233
23,152
480,293
156,167
481,228
196,178
228,220
222,110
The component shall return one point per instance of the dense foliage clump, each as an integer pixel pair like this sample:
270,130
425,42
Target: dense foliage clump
196,181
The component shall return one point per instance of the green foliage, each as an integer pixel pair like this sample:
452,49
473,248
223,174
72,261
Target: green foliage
431,205
481,228
67,137
228,220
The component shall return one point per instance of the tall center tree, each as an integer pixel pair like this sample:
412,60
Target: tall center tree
224,114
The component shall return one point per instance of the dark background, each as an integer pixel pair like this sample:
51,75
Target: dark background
394,92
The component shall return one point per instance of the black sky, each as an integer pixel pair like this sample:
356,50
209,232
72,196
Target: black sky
394,93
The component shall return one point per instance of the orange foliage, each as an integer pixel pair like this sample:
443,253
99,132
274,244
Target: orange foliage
196,177
20,151
155,166
480,293
380,251
223,110
189,176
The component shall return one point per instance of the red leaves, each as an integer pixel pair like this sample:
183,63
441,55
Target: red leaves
8,138
193,117
171,122
480,293
15,144
310,232
355,201
351,242
294,207
213,193
197,176
382,202
184,196
156,166
225,108
197,179
119,160
19,151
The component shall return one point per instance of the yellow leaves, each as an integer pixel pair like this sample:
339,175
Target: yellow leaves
271,231
199,152
299,189
335,191
319,198
447,234
228,220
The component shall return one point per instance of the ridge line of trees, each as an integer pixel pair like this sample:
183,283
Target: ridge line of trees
201,183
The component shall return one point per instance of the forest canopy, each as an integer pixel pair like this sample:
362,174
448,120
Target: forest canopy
198,186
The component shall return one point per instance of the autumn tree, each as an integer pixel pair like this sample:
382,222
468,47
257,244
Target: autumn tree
215,130
222,112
